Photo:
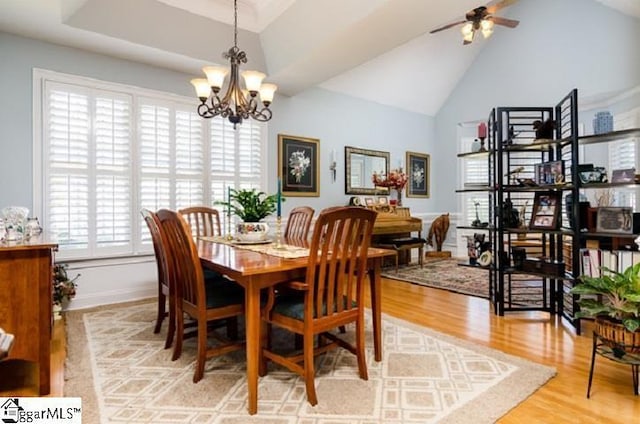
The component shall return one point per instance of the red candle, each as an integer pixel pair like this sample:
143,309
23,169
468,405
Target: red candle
482,130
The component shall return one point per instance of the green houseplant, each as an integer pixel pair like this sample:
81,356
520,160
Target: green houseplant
251,205
613,295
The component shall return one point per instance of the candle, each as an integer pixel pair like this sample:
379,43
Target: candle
279,197
228,200
482,130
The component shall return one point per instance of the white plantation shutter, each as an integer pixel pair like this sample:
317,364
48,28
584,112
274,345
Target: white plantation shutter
475,173
109,150
87,144
236,158
622,155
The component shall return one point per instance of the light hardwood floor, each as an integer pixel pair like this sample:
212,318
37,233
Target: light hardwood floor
534,336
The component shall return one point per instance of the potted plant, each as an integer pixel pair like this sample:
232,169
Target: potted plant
613,299
251,206
64,288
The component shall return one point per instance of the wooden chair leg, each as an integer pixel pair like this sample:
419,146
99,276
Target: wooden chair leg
421,256
397,253
202,352
360,350
309,370
634,375
593,361
171,331
177,348
162,299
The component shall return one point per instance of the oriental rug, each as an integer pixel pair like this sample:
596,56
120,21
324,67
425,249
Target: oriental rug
122,373
448,274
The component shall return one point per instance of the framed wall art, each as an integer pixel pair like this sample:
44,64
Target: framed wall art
614,220
546,210
418,174
298,165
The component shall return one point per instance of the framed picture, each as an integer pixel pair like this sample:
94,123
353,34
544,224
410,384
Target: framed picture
546,210
417,174
550,172
298,165
368,202
623,175
614,220
382,200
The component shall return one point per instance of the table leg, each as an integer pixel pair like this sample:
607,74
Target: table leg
252,326
376,312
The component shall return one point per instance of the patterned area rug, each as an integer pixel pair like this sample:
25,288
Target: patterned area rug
445,274
123,374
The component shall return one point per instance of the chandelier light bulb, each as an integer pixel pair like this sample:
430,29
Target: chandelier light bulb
267,91
487,27
467,29
215,75
253,80
202,87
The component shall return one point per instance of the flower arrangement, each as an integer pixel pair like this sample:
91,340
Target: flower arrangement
64,289
396,179
299,164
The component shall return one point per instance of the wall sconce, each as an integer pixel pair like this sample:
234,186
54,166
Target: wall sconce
332,164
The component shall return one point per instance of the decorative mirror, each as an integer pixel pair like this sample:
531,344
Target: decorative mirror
360,164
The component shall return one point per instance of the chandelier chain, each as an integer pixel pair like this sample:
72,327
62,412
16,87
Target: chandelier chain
235,23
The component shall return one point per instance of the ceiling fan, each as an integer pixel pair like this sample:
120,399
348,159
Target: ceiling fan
482,18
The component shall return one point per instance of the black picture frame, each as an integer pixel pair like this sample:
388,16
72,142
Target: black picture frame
617,220
418,168
298,160
546,210
549,173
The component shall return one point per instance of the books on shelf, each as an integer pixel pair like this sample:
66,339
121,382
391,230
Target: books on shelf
593,260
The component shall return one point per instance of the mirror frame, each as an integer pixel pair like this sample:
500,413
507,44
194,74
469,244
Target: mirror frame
348,188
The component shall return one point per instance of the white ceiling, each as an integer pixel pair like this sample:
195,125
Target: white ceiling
378,50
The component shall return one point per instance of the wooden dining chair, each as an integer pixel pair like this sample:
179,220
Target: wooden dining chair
164,290
203,220
298,223
202,302
330,296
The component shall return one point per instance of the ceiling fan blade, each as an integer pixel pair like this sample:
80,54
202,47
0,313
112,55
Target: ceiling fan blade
447,26
495,5
511,23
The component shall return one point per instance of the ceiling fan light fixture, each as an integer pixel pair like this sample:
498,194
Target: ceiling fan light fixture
467,29
237,103
487,27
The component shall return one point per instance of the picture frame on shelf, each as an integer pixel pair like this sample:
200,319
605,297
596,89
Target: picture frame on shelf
383,200
418,168
548,173
623,175
546,210
369,202
298,160
617,220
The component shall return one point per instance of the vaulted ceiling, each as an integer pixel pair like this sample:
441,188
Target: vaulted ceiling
378,50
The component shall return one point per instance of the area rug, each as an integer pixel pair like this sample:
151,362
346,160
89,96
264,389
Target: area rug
122,373
444,273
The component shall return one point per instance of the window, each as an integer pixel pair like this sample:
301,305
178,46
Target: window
622,155
108,150
475,173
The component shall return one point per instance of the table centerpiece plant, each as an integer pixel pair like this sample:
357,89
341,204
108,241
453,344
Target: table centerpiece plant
251,206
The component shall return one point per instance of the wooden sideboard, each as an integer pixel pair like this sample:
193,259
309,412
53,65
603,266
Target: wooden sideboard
26,273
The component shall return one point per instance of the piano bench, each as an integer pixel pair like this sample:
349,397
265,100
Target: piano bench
405,243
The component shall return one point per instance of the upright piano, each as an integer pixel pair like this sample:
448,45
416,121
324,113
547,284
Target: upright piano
393,223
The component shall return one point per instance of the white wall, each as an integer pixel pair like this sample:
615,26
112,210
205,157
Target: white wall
559,45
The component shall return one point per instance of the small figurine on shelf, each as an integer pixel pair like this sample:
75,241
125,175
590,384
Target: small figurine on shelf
476,222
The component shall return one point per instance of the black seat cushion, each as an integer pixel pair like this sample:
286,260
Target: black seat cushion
399,242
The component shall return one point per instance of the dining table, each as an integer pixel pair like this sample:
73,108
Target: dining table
257,270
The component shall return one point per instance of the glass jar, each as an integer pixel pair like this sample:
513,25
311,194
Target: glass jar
32,227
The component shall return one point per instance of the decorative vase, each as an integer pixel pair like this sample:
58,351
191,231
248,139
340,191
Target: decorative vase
14,220
252,231
395,197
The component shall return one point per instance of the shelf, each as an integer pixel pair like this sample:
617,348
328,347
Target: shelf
538,145
470,227
566,232
603,234
482,154
513,271
475,189
609,185
549,187
608,137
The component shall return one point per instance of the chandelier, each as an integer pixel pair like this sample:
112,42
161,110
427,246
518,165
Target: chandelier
236,104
